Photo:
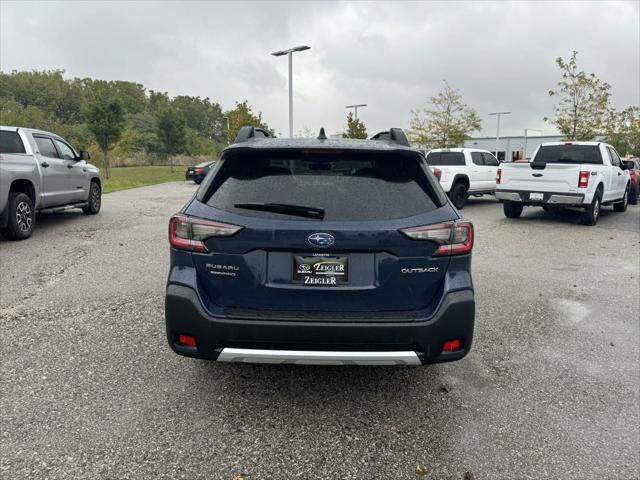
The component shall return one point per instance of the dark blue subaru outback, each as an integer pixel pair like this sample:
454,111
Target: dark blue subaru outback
320,251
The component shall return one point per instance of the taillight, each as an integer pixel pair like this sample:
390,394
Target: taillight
437,173
189,233
453,238
583,180
498,176
199,170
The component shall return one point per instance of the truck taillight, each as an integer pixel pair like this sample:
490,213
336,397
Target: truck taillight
189,233
498,176
583,179
453,238
437,173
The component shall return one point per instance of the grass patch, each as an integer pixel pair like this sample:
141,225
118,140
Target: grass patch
132,177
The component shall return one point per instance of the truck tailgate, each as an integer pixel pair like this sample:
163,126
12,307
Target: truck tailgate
554,177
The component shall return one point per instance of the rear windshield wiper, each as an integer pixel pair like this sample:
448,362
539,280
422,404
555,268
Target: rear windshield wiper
285,208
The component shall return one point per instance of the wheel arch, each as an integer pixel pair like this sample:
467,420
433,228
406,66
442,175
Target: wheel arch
460,178
22,185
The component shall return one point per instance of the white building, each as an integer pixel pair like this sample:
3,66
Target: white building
513,148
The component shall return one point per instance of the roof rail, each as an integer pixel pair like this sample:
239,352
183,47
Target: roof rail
248,132
395,135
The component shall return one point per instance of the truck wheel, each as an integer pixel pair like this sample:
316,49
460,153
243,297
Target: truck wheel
22,217
95,199
458,195
512,209
592,212
622,206
633,194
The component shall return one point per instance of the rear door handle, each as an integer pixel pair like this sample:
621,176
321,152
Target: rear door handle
69,165
44,164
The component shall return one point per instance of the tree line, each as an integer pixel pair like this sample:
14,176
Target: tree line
120,118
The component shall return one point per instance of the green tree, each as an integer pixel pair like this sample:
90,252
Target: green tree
241,116
446,122
583,102
106,120
622,130
355,128
202,115
171,132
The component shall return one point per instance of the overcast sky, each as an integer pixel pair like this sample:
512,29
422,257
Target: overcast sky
390,55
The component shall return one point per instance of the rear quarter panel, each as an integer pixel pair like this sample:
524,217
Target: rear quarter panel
16,166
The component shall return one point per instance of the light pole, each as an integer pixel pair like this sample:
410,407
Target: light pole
290,53
355,107
227,120
499,114
524,153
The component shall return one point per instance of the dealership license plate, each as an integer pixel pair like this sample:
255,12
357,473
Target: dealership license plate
321,269
536,196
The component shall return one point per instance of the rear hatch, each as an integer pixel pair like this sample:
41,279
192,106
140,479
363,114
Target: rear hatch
321,233
554,168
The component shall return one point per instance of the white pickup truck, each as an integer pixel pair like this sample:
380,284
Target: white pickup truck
41,171
566,174
463,172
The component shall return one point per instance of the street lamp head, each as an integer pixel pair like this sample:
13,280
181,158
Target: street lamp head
300,48
354,106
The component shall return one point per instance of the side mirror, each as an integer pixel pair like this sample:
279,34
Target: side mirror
84,155
629,165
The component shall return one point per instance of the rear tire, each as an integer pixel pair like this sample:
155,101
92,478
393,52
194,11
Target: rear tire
633,194
21,219
622,206
592,212
197,181
95,199
512,209
458,195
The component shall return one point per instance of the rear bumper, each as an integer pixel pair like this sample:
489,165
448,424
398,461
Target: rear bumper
549,198
319,342
194,176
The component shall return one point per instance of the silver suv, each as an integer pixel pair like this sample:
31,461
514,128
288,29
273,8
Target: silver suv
41,171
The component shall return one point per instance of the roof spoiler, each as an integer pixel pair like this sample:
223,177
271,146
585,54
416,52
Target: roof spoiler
248,132
395,135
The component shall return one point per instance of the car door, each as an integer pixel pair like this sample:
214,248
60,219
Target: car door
491,169
618,177
477,178
77,176
55,183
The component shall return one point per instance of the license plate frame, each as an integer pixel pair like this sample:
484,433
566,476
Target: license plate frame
320,270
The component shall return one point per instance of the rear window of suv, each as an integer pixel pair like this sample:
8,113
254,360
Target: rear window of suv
10,142
348,186
568,154
445,158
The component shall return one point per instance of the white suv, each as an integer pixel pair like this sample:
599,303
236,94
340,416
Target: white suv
463,172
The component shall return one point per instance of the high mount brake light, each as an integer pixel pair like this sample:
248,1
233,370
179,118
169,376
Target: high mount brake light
454,238
498,176
438,173
189,233
583,179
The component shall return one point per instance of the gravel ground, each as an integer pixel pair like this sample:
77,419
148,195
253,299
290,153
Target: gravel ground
89,388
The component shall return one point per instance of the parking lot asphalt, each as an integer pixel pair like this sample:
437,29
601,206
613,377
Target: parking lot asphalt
90,389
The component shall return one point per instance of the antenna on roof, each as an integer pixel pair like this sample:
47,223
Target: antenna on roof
322,135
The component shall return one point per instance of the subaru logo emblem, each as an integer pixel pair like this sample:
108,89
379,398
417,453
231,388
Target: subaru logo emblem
321,240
